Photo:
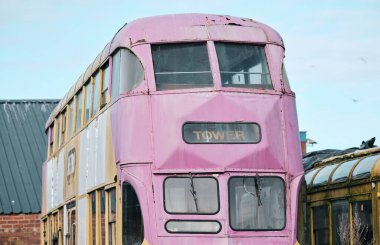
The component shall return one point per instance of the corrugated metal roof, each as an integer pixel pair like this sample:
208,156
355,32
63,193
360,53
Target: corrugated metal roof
22,152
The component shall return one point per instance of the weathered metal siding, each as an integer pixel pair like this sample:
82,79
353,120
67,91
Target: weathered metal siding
22,152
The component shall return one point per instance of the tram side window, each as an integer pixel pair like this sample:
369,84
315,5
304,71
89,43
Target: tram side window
127,72
93,217
243,66
95,101
102,217
79,106
133,228
71,119
71,235
321,225
362,222
51,138
181,66
63,128
284,78
105,83
340,222
57,134
112,216
88,89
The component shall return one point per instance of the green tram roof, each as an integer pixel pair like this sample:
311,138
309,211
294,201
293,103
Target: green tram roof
344,169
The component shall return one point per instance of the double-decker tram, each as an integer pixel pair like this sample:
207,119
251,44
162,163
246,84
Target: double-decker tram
182,130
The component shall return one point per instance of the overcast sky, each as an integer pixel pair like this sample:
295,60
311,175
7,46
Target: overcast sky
332,53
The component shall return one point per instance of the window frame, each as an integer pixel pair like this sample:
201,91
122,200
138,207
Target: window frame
79,104
209,54
88,85
104,93
262,176
267,61
192,220
187,177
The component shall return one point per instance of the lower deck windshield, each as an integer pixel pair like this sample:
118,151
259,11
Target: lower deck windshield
256,203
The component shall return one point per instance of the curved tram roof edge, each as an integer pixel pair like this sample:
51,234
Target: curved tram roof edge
124,33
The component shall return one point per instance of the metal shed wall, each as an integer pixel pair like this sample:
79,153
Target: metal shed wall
22,152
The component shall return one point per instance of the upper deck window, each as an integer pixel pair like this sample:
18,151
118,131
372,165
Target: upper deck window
181,66
95,101
191,195
105,80
88,89
79,108
243,66
127,72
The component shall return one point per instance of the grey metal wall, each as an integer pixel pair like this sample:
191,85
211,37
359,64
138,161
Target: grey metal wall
23,149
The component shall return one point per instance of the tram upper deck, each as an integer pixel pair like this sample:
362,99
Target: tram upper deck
249,98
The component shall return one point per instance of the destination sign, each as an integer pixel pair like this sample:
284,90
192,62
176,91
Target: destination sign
221,133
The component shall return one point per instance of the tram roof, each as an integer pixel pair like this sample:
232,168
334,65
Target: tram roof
175,28
22,151
354,166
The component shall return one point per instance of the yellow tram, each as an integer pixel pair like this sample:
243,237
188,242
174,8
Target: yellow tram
342,201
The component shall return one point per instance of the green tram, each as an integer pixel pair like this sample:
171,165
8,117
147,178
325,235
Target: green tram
341,200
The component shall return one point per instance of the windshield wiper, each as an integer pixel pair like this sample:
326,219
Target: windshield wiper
257,189
193,192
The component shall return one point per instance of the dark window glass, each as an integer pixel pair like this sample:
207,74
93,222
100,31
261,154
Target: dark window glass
217,133
192,226
243,65
51,138
72,228
105,83
102,216
257,203
57,132
181,66
112,216
191,195
115,74
95,101
127,72
87,114
342,172
321,225
362,222
133,228
131,71
93,217
63,127
303,222
71,118
340,223
363,169
284,78
79,105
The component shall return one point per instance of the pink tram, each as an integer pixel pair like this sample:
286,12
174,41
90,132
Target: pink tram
183,130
